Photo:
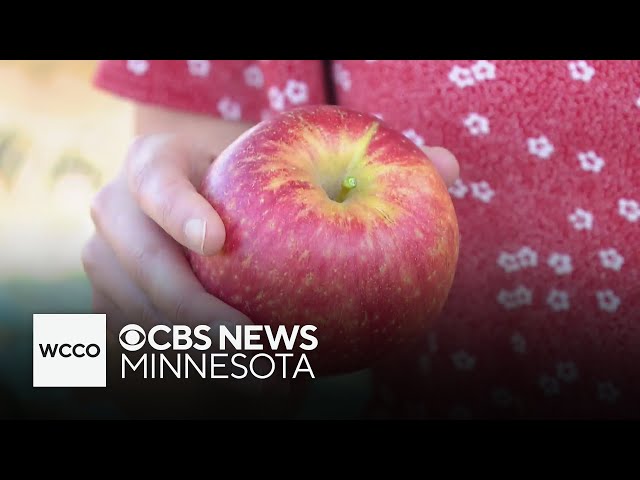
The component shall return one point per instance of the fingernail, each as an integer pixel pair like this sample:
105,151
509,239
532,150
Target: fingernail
195,229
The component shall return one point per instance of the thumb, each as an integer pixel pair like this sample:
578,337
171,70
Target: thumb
445,162
159,170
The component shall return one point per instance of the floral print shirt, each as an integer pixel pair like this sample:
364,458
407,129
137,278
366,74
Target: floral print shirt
544,315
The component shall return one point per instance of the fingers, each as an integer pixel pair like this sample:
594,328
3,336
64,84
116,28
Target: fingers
155,263
445,162
116,318
114,292
161,172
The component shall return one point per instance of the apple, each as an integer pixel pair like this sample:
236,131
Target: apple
332,219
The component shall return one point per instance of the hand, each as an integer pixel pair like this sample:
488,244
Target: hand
144,218
139,274
134,261
445,162
144,215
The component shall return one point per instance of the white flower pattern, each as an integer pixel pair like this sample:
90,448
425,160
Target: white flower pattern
581,219
463,361
540,147
462,77
617,217
483,70
477,124
607,392
629,209
229,109
560,263
558,300
412,135
199,68
523,295
342,77
518,297
466,77
138,67
590,161
482,191
296,92
581,70
527,257
567,371
253,76
608,301
458,189
508,262
611,259
276,98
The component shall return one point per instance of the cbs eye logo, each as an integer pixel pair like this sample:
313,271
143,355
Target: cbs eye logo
132,337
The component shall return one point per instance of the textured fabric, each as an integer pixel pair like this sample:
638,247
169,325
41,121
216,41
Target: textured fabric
248,90
544,315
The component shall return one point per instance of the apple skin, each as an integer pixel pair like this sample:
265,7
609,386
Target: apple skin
371,272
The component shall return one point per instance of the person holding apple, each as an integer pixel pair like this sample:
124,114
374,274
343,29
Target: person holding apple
539,319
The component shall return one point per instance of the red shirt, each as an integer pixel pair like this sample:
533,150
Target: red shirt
544,315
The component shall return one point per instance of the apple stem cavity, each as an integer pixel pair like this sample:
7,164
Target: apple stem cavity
349,182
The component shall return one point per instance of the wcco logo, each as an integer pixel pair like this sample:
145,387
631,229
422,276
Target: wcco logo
78,350
69,350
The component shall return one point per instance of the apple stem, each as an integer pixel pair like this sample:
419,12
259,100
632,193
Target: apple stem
348,184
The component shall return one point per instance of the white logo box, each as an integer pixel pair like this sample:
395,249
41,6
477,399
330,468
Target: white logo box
79,342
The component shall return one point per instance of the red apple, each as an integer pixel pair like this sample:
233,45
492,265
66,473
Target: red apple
332,219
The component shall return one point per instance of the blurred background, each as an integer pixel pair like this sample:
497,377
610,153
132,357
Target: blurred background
61,139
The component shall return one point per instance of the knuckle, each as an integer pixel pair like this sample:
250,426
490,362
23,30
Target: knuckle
167,206
142,156
141,259
139,158
143,262
179,311
138,176
100,205
138,146
159,194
